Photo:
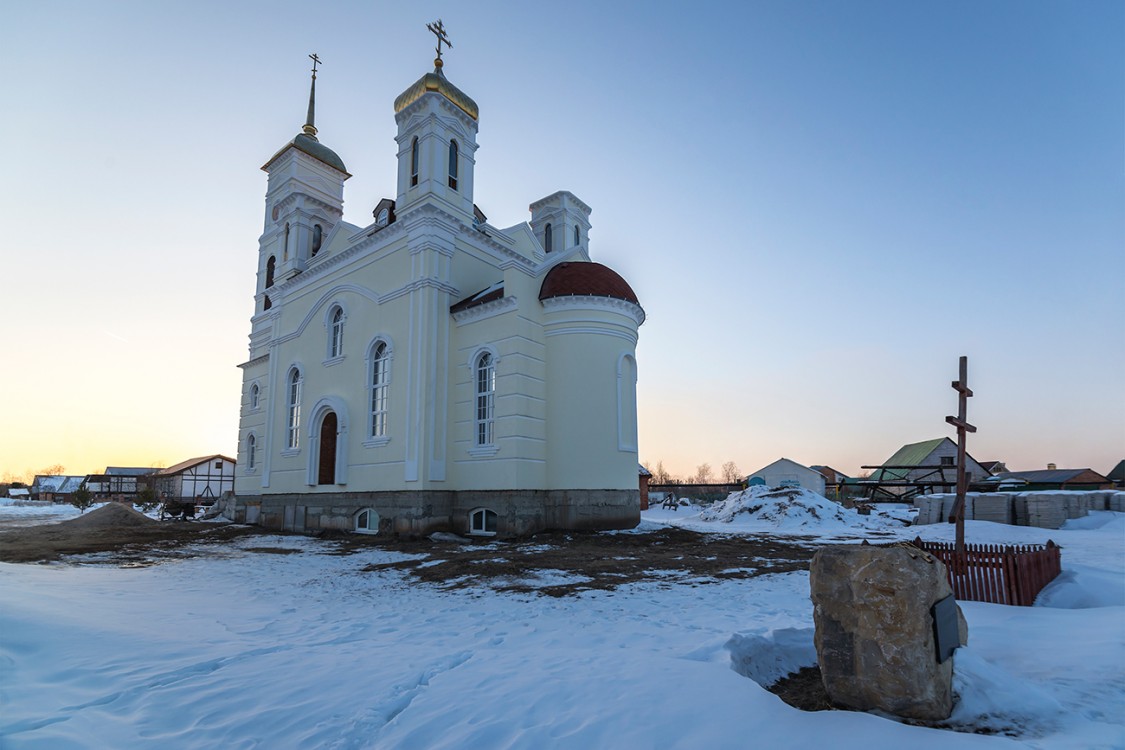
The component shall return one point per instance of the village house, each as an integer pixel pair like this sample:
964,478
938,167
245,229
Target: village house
427,370
785,472
201,480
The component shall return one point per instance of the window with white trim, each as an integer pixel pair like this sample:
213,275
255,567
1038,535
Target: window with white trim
317,239
482,522
380,366
576,235
251,452
414,162
336,334
367,522
547,238
485,398
293,402
453,164
255,394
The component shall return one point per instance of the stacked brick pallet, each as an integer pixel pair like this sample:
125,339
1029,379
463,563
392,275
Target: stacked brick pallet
1046,510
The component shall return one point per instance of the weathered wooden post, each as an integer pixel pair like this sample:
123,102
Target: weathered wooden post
961,385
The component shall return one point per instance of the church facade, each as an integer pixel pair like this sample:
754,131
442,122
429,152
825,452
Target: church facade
428,371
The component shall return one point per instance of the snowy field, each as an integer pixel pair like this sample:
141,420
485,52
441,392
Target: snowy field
240,648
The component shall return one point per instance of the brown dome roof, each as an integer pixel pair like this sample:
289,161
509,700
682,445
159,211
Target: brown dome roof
583,279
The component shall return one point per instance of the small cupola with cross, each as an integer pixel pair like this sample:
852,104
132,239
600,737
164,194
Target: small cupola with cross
437,140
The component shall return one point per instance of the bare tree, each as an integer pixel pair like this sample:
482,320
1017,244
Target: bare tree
660,475
731,474
703,474
52,471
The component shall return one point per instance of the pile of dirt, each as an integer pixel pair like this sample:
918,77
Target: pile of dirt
110,516
115,528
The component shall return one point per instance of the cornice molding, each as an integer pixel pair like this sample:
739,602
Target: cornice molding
255,361
589,302
487,310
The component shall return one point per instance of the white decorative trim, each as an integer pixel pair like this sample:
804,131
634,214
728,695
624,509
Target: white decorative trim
289,452
376,442
485,311
333,361
628,336
591,302
483,451
625,391
315,419
476,355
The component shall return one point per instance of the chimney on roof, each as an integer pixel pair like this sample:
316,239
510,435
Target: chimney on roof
1051,467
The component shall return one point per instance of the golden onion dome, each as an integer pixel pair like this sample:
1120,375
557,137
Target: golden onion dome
437,82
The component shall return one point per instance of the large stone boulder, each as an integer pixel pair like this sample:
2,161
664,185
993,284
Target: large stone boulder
874,629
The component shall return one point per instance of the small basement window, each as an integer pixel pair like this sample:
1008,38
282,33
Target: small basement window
367,522
482,522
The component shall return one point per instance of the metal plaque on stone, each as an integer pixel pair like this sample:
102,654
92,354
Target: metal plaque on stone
946,635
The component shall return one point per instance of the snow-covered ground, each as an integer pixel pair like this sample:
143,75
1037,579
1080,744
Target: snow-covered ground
247,649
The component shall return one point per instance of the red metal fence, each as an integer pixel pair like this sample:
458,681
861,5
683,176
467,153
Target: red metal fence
998,574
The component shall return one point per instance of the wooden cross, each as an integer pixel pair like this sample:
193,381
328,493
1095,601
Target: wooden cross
439,31
961,385
316,61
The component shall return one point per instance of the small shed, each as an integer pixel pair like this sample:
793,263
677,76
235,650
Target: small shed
644,476
786,472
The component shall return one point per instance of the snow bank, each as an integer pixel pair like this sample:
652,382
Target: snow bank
785,508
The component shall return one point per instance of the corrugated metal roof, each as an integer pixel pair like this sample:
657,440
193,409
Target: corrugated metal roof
1046,475
913,454
184,465
128,471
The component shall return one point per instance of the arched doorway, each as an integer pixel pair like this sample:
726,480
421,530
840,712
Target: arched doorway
326,473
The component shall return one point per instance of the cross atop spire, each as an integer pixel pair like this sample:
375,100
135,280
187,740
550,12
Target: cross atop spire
310,129
439,31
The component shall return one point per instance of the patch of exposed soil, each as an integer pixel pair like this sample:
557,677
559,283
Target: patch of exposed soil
804,690
129,536
591,560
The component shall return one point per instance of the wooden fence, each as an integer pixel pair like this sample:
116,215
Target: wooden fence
998,574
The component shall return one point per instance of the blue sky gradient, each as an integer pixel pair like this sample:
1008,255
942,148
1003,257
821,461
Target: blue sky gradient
821,206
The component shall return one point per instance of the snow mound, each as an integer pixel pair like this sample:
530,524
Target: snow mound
782,507
110,515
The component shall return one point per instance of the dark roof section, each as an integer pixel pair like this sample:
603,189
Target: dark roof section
1118,472
484,296
1039,476
585,279
314,148
191,462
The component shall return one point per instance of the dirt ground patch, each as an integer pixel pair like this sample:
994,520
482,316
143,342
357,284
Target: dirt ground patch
125,538
565,563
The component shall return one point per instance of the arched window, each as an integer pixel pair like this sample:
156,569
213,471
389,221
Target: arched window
266,304
482,522
251,451
285,250
547,238
486,398
627,403
367,522
380,372
414,162
383,218
271,267
293,402
317,238
254,395
577,237
453,164
336,334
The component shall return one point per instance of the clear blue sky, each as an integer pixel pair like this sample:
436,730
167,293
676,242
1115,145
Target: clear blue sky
821,206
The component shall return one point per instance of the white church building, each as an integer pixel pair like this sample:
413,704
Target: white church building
428,371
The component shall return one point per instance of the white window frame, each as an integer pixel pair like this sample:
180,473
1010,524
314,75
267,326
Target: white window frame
371,514
627,414
335,320
484,399
482,513
294,382
255,397
251,453
454,167
378,414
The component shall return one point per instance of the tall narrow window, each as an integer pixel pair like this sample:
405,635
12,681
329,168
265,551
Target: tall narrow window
414,162
547,238
271,267
251,450
453,164
317,238
577,237
486,398
379,366
336,335
254,394
285,250
294,403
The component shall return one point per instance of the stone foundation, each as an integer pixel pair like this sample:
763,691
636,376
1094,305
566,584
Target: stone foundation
422,512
